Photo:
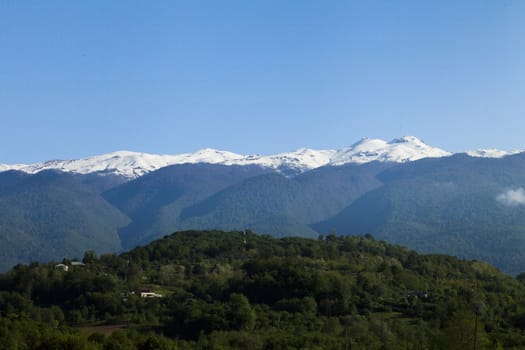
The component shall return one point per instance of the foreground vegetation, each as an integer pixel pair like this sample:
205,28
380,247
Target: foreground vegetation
243,291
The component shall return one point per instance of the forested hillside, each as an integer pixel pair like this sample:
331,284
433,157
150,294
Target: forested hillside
281,206
456,205
53,214
154,201
235,290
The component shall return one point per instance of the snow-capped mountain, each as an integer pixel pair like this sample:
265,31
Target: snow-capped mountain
126,163
135,164
5,167
405,149
491,153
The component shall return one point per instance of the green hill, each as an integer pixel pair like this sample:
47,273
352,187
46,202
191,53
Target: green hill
235,290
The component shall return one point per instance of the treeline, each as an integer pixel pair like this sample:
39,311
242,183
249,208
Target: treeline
238,290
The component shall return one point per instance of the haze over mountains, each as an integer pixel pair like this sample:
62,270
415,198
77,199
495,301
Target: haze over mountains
404,191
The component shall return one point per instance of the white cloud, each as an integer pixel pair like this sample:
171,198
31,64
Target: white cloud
512,197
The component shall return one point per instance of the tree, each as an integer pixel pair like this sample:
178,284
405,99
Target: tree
240,313
90,256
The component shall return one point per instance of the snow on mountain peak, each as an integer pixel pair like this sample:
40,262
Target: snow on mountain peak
125,163
405,149
206,155
491,153
135,164
5,167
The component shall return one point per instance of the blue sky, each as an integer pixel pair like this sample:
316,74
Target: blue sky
79,78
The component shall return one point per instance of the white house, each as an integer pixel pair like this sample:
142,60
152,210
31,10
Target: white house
61,267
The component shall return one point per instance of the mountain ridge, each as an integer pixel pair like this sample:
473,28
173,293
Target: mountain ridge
131,165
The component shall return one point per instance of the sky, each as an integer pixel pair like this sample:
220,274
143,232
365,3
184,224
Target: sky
80,78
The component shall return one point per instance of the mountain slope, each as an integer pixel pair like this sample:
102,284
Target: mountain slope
51,215
155,200
459,205
261,202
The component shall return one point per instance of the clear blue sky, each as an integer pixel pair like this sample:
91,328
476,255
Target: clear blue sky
79,78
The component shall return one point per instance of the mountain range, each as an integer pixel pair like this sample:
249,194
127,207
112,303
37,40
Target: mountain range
404,191
134,164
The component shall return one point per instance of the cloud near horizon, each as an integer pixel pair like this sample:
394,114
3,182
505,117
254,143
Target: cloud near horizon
512,198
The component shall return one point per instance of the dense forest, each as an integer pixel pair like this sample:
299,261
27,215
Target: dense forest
239,290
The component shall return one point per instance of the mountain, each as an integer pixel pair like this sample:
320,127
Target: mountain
460,205
155,200
260,202
131,165
236,197
468,204
405,149
51,215
491,153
